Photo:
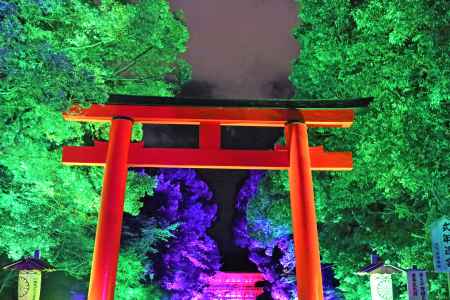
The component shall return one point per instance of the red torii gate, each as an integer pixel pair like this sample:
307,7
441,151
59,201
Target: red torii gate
119,153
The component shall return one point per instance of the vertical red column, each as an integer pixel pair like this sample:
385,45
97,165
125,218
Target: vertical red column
109,227
304,224
209,135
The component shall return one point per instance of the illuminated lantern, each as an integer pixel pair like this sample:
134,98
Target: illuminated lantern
380,278
30,272
225,285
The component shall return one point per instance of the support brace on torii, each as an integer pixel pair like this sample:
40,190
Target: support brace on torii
118,154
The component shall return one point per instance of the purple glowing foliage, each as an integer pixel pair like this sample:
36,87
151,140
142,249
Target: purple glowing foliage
329,291
186,266
75,295
183,264
277,261
332,294
246,193
274,258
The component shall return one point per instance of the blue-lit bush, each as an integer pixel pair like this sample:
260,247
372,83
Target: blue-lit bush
182,205
269,240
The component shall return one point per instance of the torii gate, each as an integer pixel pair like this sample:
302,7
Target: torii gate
210,114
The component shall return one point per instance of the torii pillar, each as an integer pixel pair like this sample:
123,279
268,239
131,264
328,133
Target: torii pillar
303,210
109,227
118,154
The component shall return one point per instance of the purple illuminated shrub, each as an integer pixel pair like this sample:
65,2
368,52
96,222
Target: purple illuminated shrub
270,245
183,264
275,261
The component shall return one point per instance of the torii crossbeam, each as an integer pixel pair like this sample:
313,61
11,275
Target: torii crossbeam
210,114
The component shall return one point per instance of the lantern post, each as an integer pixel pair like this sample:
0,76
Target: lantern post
30,274
380,278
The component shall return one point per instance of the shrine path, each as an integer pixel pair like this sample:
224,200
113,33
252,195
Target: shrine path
237,49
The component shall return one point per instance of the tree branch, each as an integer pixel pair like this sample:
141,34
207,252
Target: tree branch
133,61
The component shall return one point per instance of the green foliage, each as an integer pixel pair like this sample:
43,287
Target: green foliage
71,51
138,185
130,276
268,214
148,236
135,270
52,54
43,208
397,52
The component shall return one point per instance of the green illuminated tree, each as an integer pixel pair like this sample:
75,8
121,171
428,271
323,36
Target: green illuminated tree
54,53
397,52
129,278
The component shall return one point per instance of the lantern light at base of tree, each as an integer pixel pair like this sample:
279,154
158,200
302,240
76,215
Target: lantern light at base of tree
380,278
30,273
227,285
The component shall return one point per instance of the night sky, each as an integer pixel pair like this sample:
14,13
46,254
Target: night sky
237,49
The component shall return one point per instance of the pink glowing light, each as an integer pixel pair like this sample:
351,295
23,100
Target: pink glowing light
234,286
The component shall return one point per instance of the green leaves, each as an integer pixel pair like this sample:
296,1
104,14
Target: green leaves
129,275
268,214
54,53
394,51
138,186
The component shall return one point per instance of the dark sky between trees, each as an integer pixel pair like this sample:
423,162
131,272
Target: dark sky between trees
241,48
237,49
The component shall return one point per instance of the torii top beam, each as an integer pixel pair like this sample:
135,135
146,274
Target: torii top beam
210,114
226,112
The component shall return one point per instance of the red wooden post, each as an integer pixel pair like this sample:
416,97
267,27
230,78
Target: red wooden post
209,136
304,226
118,154
109,227
209,156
